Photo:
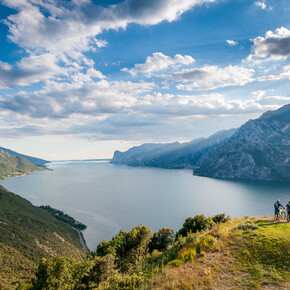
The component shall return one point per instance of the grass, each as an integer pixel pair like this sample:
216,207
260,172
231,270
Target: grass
27,234
231,256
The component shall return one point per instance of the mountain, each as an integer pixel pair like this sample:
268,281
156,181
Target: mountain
259,150
170,155
11,165
27,234
33,160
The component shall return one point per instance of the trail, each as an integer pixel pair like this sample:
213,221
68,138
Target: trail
85,248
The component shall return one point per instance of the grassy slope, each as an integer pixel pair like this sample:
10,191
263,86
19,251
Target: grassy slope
11,165
242,259
28,233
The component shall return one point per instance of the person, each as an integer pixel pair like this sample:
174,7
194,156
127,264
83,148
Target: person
288,210
277,206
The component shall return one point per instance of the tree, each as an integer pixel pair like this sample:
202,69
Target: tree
161,240
195,224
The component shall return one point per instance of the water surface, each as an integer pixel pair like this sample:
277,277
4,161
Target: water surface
109,197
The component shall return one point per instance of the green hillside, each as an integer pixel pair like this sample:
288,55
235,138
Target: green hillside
11,165
206,253
27,234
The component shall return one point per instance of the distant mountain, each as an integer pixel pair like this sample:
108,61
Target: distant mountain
33,160
11,165
170,155
259,150
28,234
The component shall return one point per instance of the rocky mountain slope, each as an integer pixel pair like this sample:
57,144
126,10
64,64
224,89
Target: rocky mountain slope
27,234
259,150
170,155
11,165
34,160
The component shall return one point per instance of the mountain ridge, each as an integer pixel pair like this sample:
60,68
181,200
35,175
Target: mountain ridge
34,160
11,165
258,150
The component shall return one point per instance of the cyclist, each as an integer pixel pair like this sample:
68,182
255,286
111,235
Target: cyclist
277,206
288,210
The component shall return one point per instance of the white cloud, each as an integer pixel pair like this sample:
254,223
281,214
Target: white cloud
274,46
260,4
285,74
81,96
32,69
263,5
211,77
158,61
65,30
70,28
232,42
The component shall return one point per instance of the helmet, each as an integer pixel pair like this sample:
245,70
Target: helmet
278,200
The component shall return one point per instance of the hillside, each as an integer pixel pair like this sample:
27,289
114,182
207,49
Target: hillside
27,234
259,150
33,160
170,155
11,165
206,253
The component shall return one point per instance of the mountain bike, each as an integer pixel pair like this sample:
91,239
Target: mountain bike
281,215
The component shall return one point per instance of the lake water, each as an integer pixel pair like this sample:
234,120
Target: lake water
109,197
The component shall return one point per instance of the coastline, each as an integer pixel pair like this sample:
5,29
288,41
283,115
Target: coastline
41,169
19,174
83,241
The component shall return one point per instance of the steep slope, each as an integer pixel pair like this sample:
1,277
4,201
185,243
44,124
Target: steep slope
259,150
11,165
33,160
173,155
28,233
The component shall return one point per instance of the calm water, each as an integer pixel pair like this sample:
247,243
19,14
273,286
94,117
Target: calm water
109,197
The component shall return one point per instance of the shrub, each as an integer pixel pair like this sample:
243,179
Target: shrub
161,240
221,218
247,226
195,224
207,244
176,262
187,254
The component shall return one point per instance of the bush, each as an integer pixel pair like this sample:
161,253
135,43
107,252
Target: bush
220,218
187,254
195,224
161,240
176,262
207,244
128,247
247,226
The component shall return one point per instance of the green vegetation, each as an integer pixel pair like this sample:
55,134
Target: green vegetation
11,165
60,215
224,254
27,234
206,253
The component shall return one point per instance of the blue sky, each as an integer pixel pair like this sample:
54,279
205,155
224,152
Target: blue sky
80,79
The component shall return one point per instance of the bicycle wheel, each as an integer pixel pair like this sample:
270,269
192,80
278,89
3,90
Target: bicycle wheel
283,215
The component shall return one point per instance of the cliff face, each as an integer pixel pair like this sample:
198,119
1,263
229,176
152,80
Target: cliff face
259,150
173,155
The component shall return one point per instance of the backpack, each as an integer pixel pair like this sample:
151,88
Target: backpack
276,206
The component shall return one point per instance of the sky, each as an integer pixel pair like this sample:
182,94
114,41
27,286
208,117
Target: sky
82,78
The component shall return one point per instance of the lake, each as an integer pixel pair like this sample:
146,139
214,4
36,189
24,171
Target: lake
108,197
